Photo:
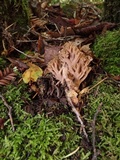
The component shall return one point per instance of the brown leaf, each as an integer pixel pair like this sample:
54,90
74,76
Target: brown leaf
6,76
53,34
2,121
82,24
117,78
66,31
18,63
73,95
40,46
55,10
86,49
59,21
51,52
37,22
73,21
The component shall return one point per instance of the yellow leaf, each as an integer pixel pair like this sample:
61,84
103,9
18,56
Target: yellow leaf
72,93
73,96
32,74
84,91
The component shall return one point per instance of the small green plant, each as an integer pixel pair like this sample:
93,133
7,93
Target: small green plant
107,48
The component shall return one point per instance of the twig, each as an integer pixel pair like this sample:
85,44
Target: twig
62,38
78,117
9,111
9,26
26,54
98,83
93,132
87,89
70,154
25,41
21,52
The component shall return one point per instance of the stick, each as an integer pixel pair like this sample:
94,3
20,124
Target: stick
78,117
70,154
9,111
26,41
98,83
26,54
21,52
93,132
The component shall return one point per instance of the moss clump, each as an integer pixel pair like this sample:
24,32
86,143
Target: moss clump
36,137
108,119
107,48
39,138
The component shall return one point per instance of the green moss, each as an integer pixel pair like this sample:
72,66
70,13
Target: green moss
107,48
40,138
108,120
36,137
15,97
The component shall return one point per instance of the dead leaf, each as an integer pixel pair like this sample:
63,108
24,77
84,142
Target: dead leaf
37,22
117,78
84,91
32,74
53,34
86,49
18,63
59,21
40,46
2,121
73,96
51,52
66,31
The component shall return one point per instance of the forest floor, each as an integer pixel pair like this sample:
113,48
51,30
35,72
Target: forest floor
60,87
